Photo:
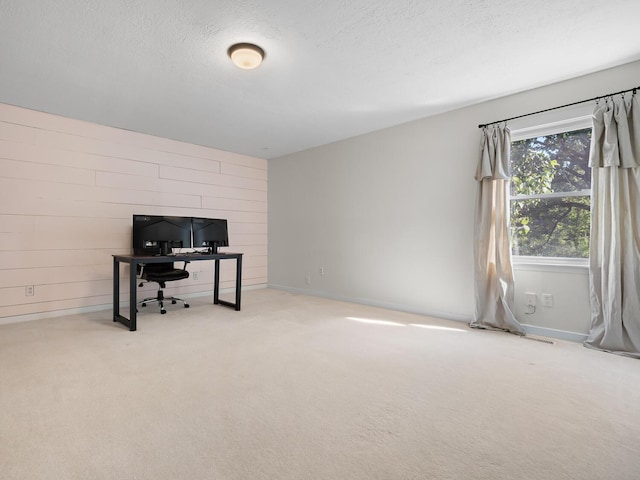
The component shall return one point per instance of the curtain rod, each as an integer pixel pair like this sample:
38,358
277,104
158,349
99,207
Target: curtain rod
561,106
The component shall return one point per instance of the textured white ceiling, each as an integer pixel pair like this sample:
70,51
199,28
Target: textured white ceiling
334,68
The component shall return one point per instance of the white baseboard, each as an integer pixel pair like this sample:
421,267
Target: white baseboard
373,303
108,306
553,333
53,314
530,329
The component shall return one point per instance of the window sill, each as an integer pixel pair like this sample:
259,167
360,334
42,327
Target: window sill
550,264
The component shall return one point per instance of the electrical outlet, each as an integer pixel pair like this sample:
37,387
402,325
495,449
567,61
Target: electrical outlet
530,299
195,275
29,291
547,300
322,271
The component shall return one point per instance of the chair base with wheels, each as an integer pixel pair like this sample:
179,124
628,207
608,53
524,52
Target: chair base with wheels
160,298
161,273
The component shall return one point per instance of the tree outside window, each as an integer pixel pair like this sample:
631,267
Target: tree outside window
551,195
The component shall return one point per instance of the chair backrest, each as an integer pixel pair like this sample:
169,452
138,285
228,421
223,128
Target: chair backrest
159,267
163,272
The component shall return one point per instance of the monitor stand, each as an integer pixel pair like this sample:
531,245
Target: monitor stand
164,249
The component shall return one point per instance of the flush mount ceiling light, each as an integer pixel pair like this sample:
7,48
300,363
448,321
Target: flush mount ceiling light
246,55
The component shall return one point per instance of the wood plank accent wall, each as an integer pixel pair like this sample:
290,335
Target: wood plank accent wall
68,190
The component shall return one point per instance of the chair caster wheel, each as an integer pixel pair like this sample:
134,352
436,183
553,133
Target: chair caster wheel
144,304
186,305
163,311
173,302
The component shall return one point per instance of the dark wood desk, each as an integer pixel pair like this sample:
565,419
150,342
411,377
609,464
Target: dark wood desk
135,260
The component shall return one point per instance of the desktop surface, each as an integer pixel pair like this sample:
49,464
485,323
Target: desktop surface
139,257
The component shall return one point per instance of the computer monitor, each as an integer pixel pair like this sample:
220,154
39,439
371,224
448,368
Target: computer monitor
210,232
158,234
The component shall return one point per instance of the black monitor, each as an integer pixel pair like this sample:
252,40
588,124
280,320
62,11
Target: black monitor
210,232
158,234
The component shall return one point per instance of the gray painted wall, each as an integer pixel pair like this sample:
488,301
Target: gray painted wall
388,216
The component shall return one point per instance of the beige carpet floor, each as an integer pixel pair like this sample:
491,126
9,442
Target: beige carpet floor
297,387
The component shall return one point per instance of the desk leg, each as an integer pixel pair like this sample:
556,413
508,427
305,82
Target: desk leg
133,291
238,281
216,287
131,321
216,282
116,289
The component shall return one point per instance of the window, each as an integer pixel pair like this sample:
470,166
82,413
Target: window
551,192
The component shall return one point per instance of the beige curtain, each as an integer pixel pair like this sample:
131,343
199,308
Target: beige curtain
614,270
494,288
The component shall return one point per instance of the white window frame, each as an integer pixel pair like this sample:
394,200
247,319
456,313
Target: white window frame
522,262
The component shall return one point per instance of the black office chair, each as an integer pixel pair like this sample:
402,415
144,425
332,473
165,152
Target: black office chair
161,273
